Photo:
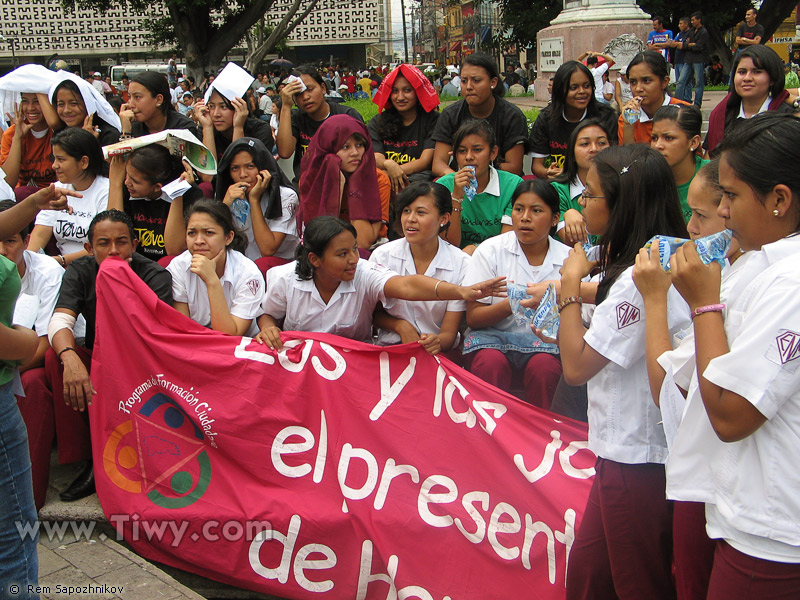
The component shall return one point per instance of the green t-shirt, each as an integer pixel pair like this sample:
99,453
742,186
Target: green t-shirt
683,190
565,202
10,284
483,217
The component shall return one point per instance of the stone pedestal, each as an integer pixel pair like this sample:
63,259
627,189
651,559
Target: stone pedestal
587,25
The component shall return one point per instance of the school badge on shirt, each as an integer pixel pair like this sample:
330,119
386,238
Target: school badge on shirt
788,345
627,314
254,285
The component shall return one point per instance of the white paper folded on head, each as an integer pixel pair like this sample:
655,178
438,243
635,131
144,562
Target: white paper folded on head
177,188
30,79
232,82
180,142
94,100
26,310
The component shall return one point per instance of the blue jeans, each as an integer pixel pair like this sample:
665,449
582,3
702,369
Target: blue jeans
19,563
699,78
679,68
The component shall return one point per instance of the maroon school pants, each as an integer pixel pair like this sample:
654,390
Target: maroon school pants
623,548
737,576
693,550
539,377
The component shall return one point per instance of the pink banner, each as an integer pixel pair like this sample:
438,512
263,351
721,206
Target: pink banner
334,469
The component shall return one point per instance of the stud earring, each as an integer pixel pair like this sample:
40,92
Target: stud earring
776,212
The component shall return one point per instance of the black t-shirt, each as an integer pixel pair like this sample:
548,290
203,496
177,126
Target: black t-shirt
750,33
410,141
254,128
78,292
507,120
150,218
304,128
551,138
175,120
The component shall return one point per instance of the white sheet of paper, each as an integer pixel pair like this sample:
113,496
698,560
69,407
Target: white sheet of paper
176,188
672,404
26,310
232,82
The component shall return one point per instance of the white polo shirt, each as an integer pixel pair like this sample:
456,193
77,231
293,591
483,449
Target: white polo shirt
502,255
449,265
242,285
286,224
42,280
349,311
70,230
756,500
624,422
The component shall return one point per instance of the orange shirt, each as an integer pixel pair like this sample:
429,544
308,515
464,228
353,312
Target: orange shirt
642,130
36,164
385,192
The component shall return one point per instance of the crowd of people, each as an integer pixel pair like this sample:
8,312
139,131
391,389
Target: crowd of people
408,229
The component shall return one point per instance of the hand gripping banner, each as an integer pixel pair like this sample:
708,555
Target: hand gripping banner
333,469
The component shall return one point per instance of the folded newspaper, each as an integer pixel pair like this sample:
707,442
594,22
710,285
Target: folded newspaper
180,142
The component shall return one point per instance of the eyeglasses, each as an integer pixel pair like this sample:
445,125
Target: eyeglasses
586,196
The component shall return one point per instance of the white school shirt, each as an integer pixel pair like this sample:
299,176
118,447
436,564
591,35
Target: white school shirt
349,311
42,280
70,230
756,491
502,255
597,74
448,265
242,285
624,422
688,468
286,224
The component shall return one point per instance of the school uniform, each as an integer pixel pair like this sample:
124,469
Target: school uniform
70,229
509,347
623,548
643,127
242,285
348,313
449,264
285,224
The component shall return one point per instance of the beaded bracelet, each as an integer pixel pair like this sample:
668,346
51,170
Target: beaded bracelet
569,300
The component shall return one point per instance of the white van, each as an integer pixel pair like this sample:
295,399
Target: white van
133,69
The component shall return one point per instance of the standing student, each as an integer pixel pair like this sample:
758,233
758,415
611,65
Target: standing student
756,87
573,101
748,33
688,474
696,58
660,38
498,347
298,126
597,69
482,99
213,282
329,289
261,198
676,136
78,164
149,108
402,131
586,142
623,547
489,212
424,210
746,357
649,77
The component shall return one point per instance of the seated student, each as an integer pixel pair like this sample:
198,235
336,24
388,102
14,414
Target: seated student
482,100
262,199
676,136
26,147
150,108
68,390
135,187
328,289
503,347
213,282
587,140
78,163
41,279
339,178
489,212
423,211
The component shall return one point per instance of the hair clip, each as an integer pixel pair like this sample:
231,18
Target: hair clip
624,170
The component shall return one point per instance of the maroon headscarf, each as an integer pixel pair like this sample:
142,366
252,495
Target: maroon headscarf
427,97
321,172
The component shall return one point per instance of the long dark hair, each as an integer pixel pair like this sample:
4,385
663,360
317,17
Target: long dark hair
571,164
654,60
542,189
642,200
488,64
442,200
77,143
222,216
155,83
317,235
594,110
155,163
763,152
765,58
